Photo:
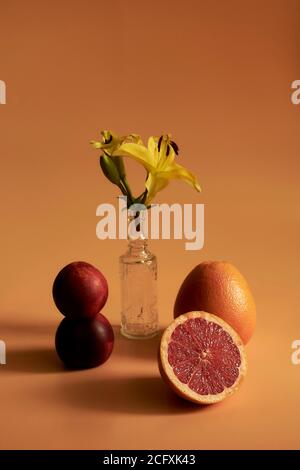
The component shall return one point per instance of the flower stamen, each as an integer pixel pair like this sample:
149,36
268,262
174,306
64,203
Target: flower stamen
159,142
174,146
108,141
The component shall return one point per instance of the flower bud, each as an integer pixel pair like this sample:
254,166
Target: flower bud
120,166
110,169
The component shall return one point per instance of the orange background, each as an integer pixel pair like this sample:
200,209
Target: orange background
217,75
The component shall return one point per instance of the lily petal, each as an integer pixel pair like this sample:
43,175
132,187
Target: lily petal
152,147
166,153
168,161
179,172
96,144
134,138
139,153
154,184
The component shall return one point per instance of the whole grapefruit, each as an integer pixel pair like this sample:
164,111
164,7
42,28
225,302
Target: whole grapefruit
219,288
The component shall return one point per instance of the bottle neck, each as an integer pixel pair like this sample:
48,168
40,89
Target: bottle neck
137,242
138,247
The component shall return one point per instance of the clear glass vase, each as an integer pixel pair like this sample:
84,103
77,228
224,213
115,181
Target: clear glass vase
138,272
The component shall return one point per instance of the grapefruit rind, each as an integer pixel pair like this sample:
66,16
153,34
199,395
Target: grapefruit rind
182,389
220,288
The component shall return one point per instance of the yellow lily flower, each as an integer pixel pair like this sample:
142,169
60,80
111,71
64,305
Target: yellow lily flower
111,161
111,142
159,161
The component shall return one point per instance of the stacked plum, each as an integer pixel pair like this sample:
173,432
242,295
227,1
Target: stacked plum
84,338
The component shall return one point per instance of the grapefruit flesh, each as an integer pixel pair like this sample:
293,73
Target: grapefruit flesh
202,358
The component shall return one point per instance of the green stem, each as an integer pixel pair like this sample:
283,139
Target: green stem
123,189
138,199
127,187
144,196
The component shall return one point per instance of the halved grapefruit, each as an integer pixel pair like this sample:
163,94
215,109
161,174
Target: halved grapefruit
202,358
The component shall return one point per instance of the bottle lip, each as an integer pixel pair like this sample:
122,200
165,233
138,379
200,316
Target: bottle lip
138,243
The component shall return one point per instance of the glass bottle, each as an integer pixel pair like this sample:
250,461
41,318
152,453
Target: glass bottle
138,272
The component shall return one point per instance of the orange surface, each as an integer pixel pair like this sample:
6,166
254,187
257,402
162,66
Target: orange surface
217,75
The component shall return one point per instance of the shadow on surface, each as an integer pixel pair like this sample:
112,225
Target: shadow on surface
138,395
17,328
35,361
136,348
